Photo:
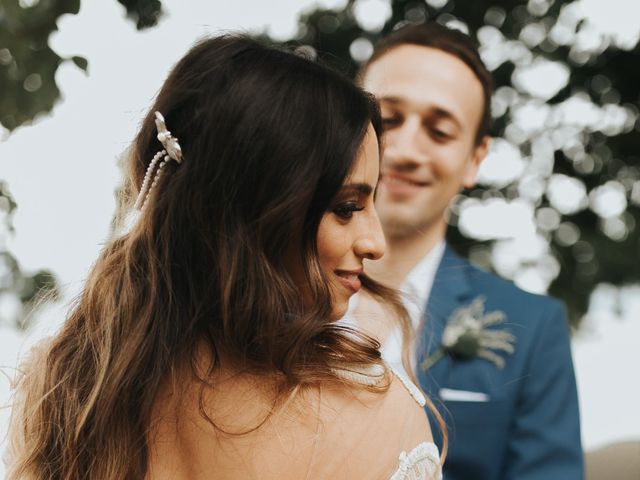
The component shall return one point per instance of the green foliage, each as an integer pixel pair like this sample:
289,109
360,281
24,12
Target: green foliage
604,251
145,13
28,65
24,291
81,63
28,88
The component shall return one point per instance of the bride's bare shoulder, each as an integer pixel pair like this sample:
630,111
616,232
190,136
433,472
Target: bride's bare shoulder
334,430
390,422
399,407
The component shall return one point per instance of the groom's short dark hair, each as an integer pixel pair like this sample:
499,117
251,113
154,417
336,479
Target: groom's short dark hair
449,40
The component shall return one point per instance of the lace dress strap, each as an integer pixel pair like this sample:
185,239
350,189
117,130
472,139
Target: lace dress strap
369,375
373,374
421,463
415,392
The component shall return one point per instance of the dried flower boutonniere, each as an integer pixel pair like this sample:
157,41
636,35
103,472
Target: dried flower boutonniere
466,336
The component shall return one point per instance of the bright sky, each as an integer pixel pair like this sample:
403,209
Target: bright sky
63,173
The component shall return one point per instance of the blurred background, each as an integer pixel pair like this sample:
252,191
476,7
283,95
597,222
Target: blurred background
557,208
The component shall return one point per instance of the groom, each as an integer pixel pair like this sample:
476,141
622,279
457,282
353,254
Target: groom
514,421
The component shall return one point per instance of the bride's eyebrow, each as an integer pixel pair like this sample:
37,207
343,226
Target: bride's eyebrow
359,188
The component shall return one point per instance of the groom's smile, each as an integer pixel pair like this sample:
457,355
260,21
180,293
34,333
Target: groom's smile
431,104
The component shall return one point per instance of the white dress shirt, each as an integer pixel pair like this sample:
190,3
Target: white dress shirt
415,292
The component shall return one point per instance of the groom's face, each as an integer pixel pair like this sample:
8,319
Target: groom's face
432,104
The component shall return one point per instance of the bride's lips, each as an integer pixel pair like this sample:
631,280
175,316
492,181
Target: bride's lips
398,184
350,279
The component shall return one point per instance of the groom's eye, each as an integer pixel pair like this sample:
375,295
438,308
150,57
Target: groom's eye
390,121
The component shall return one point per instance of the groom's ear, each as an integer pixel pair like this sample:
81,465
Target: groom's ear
477,156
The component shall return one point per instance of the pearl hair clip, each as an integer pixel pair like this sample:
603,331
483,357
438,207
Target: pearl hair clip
171,151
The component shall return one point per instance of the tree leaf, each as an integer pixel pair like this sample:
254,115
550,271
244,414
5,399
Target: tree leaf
145,13
81,63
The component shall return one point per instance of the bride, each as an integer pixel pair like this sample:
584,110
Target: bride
205,343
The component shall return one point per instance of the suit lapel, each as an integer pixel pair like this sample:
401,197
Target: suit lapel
451,289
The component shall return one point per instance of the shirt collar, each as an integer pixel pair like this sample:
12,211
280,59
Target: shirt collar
417,286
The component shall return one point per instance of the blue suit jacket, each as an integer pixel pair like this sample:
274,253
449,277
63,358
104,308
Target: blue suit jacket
529,428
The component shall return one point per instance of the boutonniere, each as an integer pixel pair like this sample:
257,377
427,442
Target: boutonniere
466,335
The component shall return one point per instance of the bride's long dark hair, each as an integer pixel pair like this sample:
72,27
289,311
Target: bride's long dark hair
268,139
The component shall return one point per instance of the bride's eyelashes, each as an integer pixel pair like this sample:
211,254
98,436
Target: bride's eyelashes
345,210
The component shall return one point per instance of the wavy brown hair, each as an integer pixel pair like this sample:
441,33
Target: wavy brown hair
268,139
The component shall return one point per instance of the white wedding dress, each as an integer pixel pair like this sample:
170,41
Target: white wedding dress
335,431
423,461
